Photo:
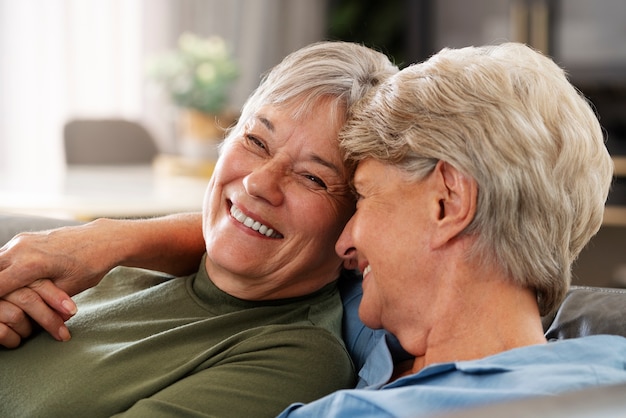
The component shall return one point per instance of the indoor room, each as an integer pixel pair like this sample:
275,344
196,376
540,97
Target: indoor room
117,110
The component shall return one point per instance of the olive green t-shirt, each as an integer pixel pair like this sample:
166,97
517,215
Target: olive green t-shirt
147,345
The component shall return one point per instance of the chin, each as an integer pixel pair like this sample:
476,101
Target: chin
368,318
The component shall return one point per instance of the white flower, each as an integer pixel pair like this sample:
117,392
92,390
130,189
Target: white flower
198,74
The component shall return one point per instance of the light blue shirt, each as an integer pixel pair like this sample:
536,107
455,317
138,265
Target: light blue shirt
544,369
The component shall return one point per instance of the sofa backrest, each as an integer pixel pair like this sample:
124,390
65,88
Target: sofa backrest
585,310
588,311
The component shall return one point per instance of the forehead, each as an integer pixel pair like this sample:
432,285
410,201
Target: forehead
312,136
373,175
317,124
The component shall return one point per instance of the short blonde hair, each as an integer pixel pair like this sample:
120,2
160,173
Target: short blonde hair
508,117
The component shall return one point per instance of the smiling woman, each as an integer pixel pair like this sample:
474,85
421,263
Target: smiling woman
257,326
273,177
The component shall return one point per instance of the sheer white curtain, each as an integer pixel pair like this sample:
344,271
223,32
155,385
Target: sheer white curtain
66,58
62,58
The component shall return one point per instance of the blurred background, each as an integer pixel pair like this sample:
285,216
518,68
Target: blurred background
109,60
63,59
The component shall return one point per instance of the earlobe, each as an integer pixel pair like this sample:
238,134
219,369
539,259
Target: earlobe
457,202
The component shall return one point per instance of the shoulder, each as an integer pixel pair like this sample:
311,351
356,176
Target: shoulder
301,363
259,375
350,403
308,348
309,341
590,350
122,281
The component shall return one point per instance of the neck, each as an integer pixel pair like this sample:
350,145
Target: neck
274,285
477,320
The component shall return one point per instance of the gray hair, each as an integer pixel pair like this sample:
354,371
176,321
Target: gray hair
342,71
508,117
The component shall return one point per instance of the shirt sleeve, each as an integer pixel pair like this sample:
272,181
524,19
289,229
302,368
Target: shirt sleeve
259,377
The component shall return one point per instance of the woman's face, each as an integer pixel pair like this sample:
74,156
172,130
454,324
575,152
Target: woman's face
387,239
276,204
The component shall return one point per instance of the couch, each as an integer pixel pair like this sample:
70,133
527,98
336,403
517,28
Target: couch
585,311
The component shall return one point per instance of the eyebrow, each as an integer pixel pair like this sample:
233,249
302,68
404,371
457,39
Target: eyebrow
266,122
317,159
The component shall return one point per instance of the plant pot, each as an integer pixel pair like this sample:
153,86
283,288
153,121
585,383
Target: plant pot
200,133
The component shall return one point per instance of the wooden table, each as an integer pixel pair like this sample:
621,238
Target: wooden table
89,192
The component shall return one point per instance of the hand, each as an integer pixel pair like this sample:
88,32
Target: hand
74,258
40,271
28,265
19,306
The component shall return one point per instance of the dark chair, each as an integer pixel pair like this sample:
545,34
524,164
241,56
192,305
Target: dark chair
107,142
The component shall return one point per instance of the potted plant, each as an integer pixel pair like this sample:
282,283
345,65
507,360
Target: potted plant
197,77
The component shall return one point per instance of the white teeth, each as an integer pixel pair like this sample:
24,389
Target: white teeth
251,223
367,270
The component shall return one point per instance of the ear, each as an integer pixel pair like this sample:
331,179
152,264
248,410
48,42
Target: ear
457,202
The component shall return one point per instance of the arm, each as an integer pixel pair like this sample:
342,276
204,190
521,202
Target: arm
76,258
39,270
172,244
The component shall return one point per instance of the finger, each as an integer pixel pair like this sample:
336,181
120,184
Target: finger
34,306
8,337
55,298
15,319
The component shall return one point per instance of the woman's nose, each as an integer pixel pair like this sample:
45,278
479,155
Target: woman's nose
345,247
265,182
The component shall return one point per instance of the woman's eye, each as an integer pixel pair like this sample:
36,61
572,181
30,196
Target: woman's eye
316,180
255,141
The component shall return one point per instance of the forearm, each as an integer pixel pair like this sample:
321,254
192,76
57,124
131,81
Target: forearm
76,258
173,244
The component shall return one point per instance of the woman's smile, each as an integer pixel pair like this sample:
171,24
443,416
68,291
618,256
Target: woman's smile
253,224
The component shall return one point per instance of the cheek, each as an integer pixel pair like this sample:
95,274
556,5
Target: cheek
318,225
226,163
370,232
208,192
227,169
335,220
232,162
